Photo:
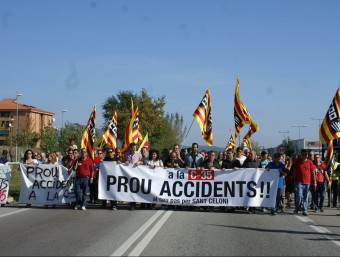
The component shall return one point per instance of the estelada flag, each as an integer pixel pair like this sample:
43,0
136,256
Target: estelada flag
131,132
241,115
330,127
110,136
87,140
204,119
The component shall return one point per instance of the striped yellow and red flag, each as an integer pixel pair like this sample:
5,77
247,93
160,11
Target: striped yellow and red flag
110,136
329,155
247,143
145,143
132,133
330,127
231,144
252,129
241,115
87,140
204,119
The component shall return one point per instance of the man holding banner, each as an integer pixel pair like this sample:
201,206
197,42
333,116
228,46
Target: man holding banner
84,175
135,158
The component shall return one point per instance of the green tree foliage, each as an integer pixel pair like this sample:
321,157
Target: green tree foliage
49,139
164,130
288,144
173,131
25,137
256,146
70,131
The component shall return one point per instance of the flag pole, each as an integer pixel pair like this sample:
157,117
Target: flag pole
188,132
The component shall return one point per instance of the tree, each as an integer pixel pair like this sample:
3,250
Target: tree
49,139
70,131
288,144
172,133
256,146
26,137
163,129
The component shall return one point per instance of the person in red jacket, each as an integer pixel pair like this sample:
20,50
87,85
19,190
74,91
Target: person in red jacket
304,176
84,175
321,177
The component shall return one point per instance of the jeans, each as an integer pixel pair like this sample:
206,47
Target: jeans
278,200
94,190
320,193
301,192
81,189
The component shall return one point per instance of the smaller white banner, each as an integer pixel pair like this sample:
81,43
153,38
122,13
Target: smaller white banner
5,174
242,187
46,185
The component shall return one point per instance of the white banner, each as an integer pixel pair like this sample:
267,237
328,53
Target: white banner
4,183
242,187
46,185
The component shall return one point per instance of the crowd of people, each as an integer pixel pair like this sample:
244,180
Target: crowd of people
301,177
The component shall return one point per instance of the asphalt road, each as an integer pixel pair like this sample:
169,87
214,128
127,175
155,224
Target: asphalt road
95,232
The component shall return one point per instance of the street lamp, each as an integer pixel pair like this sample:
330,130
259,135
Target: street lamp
17,127
62,123
284,133
319,128
299,126
62,118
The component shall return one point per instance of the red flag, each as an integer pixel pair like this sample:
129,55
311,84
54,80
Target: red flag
87,140
204,119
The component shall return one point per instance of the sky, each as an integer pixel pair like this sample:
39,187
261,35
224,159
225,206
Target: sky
71,55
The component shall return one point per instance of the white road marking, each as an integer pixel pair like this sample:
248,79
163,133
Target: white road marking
123,248
304,219
146,240
14,212
320,230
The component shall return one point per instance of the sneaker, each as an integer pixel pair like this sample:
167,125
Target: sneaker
114,208
305,214
321,210
264,210
77,207
83,208
296,211
273,213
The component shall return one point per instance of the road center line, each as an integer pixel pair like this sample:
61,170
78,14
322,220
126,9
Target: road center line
123,248
146,240
14,212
